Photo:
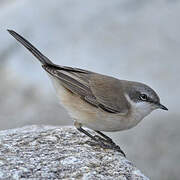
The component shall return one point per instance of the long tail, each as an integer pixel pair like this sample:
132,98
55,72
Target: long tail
43,59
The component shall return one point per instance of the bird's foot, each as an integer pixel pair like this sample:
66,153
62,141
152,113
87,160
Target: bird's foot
112,146
103,140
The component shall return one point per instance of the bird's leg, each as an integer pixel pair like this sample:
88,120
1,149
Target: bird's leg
96,137
100,140
88,134
79,128
109,140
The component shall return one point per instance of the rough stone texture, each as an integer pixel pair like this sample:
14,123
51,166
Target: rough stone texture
46,152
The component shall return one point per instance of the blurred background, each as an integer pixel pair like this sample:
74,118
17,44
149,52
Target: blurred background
129,39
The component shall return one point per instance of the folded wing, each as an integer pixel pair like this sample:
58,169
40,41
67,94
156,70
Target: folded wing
93,88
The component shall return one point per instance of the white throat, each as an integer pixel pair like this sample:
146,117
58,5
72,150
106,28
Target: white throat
138,110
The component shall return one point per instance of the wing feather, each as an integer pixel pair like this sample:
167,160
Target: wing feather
85,85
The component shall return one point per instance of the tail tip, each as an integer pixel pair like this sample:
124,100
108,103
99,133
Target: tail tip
10,31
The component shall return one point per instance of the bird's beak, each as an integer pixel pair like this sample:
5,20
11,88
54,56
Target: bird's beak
162,107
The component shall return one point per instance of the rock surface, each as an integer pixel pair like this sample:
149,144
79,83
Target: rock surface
46,152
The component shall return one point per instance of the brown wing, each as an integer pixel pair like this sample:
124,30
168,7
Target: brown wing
109,93
98,90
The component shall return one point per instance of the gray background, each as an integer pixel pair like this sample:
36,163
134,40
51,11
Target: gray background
129,39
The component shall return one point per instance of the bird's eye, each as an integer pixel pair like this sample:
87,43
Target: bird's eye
143,97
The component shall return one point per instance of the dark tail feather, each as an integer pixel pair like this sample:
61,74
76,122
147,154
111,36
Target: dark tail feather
43,59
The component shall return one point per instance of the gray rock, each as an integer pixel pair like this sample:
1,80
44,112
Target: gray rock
46,152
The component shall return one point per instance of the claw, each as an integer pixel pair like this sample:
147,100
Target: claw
112,146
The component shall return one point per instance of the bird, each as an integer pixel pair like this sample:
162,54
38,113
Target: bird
99,102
